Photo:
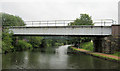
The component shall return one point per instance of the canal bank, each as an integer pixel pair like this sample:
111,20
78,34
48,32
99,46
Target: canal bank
95,54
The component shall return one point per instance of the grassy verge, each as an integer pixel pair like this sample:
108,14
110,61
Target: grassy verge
116,54
102,56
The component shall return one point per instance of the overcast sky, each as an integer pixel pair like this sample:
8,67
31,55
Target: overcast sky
60,9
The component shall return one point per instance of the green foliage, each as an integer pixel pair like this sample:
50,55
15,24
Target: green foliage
22,45
35,41
7,39
87,46
5,47
53,41
84,19
58,44
11,20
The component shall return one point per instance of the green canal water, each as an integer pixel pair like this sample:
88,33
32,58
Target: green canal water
54,58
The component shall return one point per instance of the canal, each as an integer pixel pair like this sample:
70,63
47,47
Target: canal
53,58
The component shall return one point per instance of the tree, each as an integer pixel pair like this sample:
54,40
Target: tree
84,19
7,39
35,41
11,20
22,45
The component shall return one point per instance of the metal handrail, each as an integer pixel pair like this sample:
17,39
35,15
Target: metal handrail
100,22
49,22
103,22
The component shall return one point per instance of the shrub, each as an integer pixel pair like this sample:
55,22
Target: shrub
22,45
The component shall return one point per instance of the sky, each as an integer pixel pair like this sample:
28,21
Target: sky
36,10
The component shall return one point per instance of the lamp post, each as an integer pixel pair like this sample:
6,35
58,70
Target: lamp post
119,12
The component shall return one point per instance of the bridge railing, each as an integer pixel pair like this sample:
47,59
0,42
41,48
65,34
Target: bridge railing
101,22
49,23
104,22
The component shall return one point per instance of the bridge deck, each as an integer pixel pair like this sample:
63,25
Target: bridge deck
62,30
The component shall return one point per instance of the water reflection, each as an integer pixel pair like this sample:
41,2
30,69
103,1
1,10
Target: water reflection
48,59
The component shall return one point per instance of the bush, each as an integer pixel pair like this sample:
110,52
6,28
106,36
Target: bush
87,46
22,45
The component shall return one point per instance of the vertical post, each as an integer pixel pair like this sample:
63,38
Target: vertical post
55,22
101,22
113,22
119,12
47,23
32,23
64,22
39,23
104,23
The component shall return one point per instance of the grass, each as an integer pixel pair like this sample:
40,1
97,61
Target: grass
105,57
116,54
74,48
87,46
